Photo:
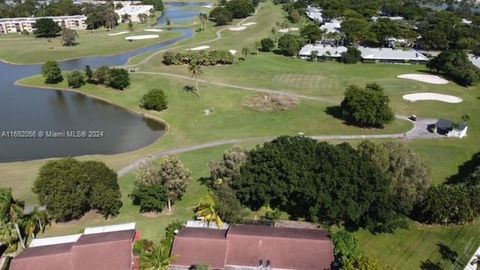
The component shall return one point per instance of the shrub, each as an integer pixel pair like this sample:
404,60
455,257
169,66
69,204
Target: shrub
155,99
267,44
75,79
52,72
101,75
150,198
210,58
351,56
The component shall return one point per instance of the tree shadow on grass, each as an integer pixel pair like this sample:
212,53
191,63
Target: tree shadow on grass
465,170
429,265
189,89
335,112
447,253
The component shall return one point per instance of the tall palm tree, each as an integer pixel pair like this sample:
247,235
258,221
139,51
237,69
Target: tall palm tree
203,20
195,69
11,210
36,222
207,209
158,259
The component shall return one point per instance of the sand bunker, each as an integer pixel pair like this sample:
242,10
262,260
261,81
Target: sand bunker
199,48
119,33
286,30
141,37
233,52
238,28
432,96
152,30
249,23
423,78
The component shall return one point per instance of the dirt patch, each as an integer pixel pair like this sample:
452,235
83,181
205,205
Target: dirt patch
271,103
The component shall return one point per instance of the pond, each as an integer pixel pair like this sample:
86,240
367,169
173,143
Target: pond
72,124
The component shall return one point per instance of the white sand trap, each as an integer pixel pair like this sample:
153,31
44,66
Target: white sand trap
238,28
432,96
141,37
119,33
199,48
153,30
286,30
233,52
249,23
424,78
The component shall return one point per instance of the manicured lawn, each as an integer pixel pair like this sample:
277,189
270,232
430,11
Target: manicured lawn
27,50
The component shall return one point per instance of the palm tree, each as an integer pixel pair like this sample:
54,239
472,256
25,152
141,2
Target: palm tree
195,69
203,19
158,259
111,19
207,209
11,210
36,222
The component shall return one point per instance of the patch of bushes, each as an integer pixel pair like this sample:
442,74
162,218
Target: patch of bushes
75,79
155,99
221,16
240,8
351,56
210,58
456,65
267,44
117,78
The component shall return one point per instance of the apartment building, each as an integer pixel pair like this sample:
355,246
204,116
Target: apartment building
18,25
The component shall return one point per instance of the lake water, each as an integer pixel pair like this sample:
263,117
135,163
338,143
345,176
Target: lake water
68,114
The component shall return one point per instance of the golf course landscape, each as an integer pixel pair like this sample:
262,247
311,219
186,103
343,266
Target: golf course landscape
198,137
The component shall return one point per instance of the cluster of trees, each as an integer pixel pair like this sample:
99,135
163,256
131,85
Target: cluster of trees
375,186
16,226
366,107
235,9
47,28
455,65
210,58
31,8
69,188
154,99
117,78
156,188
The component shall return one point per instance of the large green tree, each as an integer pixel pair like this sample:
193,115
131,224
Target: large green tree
289,45
47,28
456,65
68,36
367,107
221,16
311,33
240,8
52,72
69,188
410,176
224,172
174,177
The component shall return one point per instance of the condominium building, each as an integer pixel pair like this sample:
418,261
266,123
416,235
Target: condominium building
133,11
18,25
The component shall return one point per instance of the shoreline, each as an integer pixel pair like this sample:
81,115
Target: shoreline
141,113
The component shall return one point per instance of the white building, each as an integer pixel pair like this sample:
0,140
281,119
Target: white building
475,60
450,129
373,55
314,14
333,26
18,25
133,11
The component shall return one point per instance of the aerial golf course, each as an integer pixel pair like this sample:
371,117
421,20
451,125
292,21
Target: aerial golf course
223,90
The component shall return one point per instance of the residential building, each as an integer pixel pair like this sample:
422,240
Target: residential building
372,55
106,248
314,14
18,25
333,26
252,247
133,11
475,60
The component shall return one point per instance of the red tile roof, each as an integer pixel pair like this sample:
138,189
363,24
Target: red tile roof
102,251
247,245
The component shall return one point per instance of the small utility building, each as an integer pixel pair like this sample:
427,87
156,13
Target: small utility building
450,129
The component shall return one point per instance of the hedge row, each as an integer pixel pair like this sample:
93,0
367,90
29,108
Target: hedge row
210,58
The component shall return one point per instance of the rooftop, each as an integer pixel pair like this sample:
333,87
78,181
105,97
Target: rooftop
19,19
367,52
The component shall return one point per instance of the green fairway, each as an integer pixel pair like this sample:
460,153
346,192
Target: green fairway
19,49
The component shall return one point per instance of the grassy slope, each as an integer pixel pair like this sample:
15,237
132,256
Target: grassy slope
35,50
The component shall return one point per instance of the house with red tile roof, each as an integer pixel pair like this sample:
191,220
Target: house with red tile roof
253,247
105,248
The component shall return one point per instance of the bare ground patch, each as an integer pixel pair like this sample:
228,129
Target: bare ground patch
270,103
